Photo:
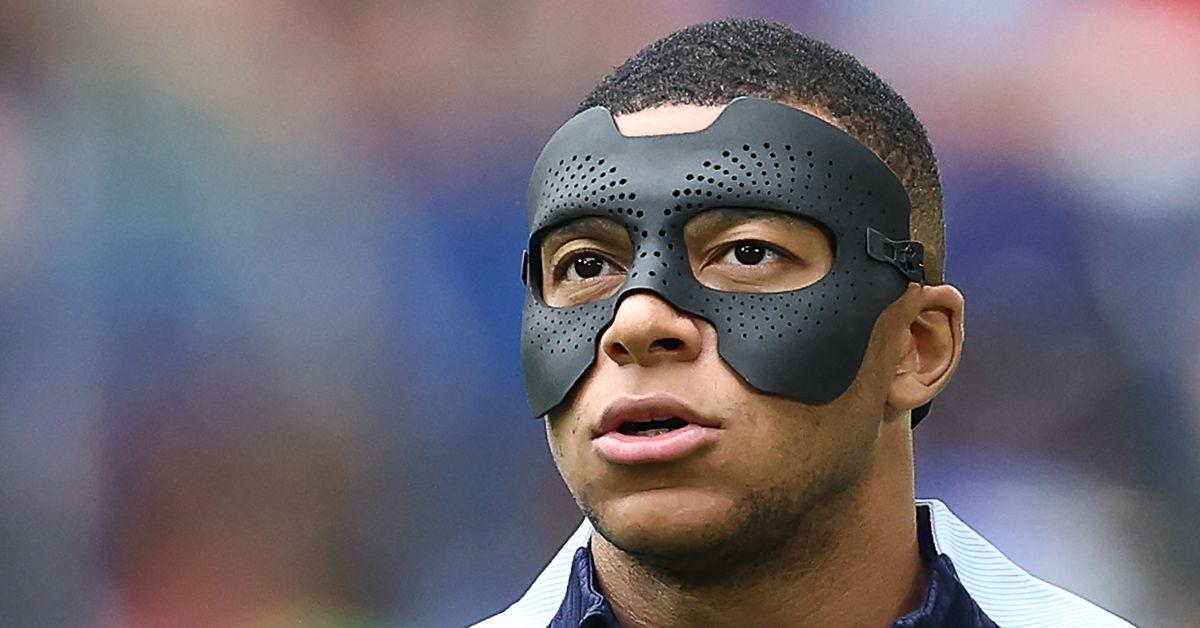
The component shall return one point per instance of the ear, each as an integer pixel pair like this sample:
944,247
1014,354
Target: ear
931,347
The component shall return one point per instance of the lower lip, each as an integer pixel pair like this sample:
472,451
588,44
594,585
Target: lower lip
621,448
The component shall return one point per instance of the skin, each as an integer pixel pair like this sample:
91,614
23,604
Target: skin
793,514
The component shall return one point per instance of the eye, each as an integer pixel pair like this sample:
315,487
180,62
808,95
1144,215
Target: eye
585,265
749,253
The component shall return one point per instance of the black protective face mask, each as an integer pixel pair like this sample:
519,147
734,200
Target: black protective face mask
805,344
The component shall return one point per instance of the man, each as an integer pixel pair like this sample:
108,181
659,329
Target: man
735,316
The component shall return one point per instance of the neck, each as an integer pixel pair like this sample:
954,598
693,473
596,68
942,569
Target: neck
859,564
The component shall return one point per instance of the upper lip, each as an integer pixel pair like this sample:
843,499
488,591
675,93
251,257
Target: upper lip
657,405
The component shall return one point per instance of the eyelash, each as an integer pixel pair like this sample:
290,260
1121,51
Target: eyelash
725,249
560,269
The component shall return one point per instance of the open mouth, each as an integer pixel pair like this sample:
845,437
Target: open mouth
652,429
656,426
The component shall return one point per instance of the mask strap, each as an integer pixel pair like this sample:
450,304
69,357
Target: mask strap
920,413
906,255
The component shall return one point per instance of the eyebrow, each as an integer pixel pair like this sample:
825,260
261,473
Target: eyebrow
723,218
593,225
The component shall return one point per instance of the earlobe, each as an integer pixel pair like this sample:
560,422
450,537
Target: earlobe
932,348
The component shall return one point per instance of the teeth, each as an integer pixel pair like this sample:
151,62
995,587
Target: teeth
654,432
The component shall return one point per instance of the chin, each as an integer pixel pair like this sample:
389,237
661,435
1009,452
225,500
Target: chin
667,522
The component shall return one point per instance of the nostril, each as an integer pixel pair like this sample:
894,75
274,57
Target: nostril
618,349
668,344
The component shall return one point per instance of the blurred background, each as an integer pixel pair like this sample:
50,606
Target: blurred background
259,296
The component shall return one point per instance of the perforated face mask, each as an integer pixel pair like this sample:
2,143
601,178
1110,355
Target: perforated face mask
806,344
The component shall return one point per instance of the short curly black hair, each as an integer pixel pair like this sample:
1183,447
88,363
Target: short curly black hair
713,63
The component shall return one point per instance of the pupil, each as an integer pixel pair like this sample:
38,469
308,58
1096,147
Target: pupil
749,254
588,266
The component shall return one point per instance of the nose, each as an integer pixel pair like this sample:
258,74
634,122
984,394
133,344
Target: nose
647,331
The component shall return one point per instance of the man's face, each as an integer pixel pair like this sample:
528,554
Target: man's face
665,447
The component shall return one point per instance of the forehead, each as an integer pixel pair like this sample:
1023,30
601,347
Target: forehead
667,120
675,119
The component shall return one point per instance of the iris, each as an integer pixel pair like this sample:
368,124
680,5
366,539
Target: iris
588,266
749,253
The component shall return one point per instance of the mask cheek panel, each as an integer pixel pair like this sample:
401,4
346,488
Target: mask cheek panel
557,347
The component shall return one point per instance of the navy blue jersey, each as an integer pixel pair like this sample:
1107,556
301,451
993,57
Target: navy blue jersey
945,603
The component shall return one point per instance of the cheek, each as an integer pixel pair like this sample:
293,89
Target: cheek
782,442
563,424
568,446
560,435
788,444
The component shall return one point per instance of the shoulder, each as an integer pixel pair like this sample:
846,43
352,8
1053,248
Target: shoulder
541,601
1009,595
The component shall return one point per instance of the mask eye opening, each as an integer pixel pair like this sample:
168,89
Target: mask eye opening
614,241
784,251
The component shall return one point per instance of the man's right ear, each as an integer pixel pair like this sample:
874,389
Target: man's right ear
932,348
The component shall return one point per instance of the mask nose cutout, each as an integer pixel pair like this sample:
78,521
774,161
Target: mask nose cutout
647,330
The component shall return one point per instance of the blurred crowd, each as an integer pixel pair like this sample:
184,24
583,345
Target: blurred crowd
260,301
